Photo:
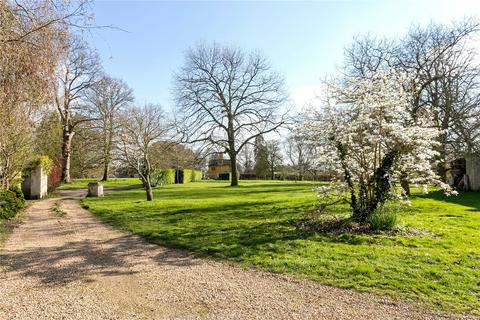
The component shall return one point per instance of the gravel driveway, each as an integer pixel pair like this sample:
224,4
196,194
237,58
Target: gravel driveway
75,267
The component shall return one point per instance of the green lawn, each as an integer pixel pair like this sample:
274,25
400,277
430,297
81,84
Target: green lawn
252,225
113,182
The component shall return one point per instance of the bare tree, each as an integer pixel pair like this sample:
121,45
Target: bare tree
108,97
273,156
226,98
140,128
366,55
172,154
77,73
87,154
301,153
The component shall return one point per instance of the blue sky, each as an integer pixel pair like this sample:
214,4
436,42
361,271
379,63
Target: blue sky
303,40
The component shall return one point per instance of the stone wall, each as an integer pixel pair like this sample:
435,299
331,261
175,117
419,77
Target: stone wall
473,171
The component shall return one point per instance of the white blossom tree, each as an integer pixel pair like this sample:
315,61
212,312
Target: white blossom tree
366,134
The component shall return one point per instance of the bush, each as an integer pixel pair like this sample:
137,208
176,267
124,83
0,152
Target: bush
384,218
11,202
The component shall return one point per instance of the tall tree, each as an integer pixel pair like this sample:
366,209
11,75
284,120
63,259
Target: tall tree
77,73
140,129
87,152
108,97
227,98
29,50
260,154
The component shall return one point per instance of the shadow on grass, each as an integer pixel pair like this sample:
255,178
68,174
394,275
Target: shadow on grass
467,199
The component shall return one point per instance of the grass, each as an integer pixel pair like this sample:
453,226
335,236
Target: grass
113,182
253,225
58,211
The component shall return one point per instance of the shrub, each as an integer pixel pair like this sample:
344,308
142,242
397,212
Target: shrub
11,202
54,178
43,161
383,218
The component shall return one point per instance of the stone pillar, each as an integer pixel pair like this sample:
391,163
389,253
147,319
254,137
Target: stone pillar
95,189
473,171
36,185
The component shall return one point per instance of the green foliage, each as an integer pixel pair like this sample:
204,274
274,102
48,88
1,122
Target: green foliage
11,202
197,175
192,175
383,218
43,161
261,162
436,263
187,175
161,177
48,137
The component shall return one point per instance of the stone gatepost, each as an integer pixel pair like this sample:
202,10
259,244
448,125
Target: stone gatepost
473,171
95,189
36,185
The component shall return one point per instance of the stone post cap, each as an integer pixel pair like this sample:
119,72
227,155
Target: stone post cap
95,184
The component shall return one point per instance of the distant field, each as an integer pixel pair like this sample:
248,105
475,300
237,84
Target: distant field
253,225
116,182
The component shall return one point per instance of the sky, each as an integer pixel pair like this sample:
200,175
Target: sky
303,40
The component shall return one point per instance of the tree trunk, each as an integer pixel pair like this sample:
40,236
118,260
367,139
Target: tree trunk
233,163
105,171
405,184
149,190
66,154
148,186
108,140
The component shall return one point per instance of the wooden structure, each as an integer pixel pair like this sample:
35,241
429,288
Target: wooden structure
219,167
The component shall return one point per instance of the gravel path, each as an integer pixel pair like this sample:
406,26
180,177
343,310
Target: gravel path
75,267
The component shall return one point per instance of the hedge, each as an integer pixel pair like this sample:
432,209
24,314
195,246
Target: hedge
11,202
167,176
162,177
192,175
